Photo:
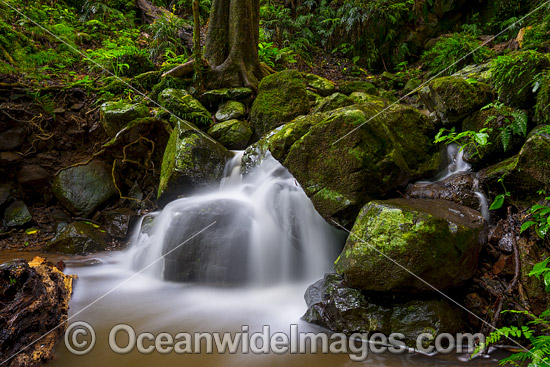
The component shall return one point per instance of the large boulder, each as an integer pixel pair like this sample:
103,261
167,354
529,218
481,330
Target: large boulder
34,305
322,86
82,189
184,106
525,173
435,240
115,115
332,304
79,238
192,161
232,134
357,86
281,97
213,98
452,98
332,102
230,110
350,156
17,214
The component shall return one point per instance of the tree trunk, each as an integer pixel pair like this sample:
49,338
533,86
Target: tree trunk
232,44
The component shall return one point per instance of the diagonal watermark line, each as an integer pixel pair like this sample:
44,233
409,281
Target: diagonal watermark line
434,288
109,292
442,71
86,57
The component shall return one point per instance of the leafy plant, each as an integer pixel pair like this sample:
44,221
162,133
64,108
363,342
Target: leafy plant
468,139
540,214
513,122
451,53
499,199
165,37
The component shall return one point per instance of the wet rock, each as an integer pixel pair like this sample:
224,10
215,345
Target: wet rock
332,304
216,256
281,97
9,158
453,98
333,102
322,86
341,166
232,134
357,86
115,115
33,175
214,97
117,222
11,139
83,189
184,106
79,238
34,303
230,110
17,214
192,161
436,240
459,188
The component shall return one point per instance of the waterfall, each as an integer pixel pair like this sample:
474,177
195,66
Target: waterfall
263,230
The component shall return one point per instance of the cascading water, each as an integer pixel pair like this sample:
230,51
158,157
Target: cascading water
262,229
458,165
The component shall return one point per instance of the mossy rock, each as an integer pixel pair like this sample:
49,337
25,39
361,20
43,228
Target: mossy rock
542,107
230,110
166,83
453,99
513,76
435,240
281,97
138,63
115,115
83,189
357,86
314,98
79,238
362,97
356,154
148,80
333,102
322,86
183,105
213,98
17,215
192,161
525,173
481,73
339,308
232,134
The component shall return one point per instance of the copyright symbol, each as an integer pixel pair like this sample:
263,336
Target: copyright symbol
80,338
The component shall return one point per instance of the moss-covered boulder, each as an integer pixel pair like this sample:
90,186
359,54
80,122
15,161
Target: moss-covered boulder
17,214
333,102
336,306
169,82
232,134
281,97
148,80
192,161
79,238
356,154
322,86
115,115
479,72
184,106
525,173
453,98
542,107
436,240
513,75
357,86
362,97
83,189
230,110
213,98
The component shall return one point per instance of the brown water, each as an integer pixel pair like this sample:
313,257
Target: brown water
104,297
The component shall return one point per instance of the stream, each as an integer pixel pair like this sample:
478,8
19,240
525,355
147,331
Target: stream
283,246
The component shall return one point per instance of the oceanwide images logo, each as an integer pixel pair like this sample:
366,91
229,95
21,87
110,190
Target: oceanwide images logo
80,339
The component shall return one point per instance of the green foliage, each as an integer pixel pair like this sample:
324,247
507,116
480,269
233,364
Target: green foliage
468,139
272,56
499,199
165,42
540,214
450,54
514,122
516,69
542,112
535,331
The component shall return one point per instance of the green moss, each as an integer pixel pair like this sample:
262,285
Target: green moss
357,86
184,106
232,134
116,115
332,102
